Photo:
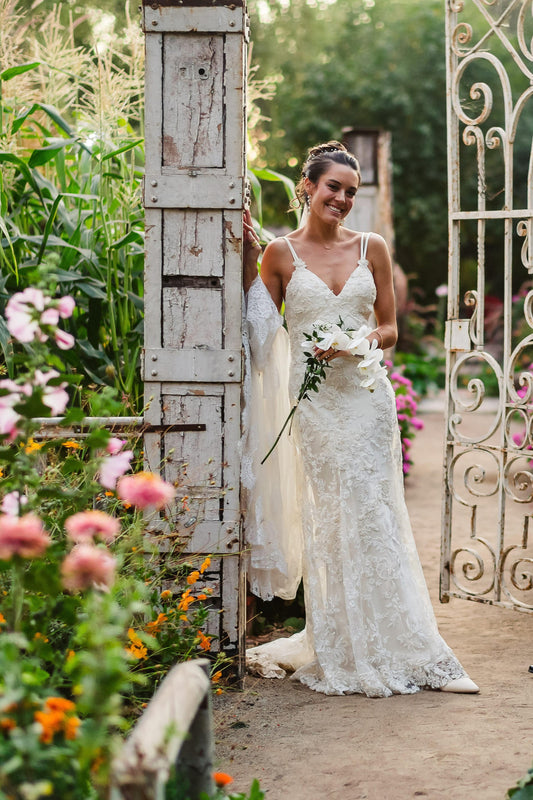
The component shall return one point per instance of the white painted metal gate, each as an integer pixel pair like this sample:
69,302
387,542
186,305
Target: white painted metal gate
194,193
487,547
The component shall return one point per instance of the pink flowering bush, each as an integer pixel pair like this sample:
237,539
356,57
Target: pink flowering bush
83,618
406,407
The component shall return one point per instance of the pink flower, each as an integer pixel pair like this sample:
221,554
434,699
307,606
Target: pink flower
115,445
85,526
417,423
65,306
22,536
63,339
113,467
50,316
55,397
12,503
22,320
442,290
145,490
86,567
8,422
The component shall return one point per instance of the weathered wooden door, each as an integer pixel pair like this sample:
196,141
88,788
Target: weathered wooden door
194,194
487,548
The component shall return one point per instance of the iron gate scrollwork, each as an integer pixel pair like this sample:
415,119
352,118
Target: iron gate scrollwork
487,547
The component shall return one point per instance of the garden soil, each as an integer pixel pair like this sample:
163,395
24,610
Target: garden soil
306,746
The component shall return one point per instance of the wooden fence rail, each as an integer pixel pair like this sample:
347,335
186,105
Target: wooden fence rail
174,731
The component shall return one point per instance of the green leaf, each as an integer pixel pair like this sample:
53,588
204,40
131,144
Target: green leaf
12,72
45,154
123,149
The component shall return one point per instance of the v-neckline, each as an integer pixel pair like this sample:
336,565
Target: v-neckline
361,262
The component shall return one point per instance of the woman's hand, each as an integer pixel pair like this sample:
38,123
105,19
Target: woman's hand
251,250
329,355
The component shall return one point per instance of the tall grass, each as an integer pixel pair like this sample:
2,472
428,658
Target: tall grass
71,159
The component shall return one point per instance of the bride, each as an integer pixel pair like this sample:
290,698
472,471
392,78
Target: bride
328,503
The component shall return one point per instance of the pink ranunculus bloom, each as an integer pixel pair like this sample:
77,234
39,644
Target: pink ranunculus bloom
86,567
145,490
85,526
65,306
12,503
115,445
113,467
22,536
64,340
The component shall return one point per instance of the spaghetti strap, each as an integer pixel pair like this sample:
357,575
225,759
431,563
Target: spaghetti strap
364,244
293,251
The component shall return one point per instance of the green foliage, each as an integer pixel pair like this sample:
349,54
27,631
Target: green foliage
523,790
425,371
70,192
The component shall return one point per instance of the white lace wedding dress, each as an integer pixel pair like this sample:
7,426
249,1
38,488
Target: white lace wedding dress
333,492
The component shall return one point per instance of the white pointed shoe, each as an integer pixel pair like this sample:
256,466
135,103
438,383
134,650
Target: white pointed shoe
461,686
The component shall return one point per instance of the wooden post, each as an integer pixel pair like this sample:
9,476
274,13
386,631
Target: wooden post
194,193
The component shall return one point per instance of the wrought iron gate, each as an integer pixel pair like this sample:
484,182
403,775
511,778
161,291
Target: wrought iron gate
487,549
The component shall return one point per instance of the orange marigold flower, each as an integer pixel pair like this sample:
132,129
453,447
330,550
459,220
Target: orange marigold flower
41,636
222,779
137,648
72,445
7,724
205,641
205,565
2,619
193,577
201,596
184,617
70,655
32,446
166,595
218,691
51,722
59,704
155,625
71,727
216,677
109,494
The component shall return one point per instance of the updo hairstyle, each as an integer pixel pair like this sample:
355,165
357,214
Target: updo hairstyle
318,162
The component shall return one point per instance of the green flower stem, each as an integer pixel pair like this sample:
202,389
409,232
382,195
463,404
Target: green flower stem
17,593
314,371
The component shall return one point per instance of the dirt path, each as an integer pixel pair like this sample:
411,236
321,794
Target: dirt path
306,746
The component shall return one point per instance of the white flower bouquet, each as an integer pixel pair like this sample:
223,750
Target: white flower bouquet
335,336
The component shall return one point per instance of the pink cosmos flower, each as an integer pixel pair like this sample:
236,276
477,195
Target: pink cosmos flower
64,340
85,526
22,536
145,490
12,503
113,467
86,567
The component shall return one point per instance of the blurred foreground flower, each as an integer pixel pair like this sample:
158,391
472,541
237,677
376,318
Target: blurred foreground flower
33,315
145,490
85,526
22,536
86,567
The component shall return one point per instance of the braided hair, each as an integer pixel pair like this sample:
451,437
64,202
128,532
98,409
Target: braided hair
318,162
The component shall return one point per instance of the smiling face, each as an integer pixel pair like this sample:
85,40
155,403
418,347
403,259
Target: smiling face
333,195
